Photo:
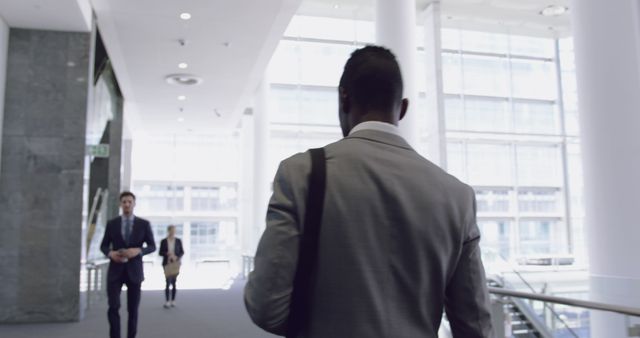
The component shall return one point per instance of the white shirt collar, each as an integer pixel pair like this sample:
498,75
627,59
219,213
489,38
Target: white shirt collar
376,125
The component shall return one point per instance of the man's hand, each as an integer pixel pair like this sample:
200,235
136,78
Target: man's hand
116,257
132,252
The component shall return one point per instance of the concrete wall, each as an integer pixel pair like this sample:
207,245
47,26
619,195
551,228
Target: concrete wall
4,48
41,176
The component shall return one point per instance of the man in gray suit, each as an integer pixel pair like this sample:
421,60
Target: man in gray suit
398,240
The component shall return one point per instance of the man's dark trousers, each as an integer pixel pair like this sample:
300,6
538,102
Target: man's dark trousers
133,301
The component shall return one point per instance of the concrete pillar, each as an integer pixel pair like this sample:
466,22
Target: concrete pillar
437,144
41,181
396,30
4,49
261,179
607,48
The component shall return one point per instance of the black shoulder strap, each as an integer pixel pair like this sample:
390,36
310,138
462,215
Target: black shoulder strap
308,253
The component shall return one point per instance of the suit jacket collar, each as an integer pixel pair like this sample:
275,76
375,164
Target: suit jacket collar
381,137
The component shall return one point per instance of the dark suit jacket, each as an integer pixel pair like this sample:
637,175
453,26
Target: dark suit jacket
140,234
164,250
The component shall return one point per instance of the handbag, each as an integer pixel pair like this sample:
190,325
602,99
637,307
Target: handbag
308,254
172,269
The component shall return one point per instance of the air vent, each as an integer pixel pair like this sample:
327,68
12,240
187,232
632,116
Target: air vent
183,79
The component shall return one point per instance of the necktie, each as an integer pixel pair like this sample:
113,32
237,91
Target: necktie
127,230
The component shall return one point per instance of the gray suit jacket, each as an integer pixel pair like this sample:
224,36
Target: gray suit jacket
398,244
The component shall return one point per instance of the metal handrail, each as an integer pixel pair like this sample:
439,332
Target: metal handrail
625,310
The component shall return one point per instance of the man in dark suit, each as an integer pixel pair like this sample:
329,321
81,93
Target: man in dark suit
123,243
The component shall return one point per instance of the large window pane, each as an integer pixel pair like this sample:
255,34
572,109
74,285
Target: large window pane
485,75
304,105
536,237
489,164
474,41
534,79
452,73
539,165
484,114
540,201
536,117
496,236
532,46
493,200
456,165
454,113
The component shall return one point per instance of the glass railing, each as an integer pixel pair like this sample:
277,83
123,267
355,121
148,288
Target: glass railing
566,317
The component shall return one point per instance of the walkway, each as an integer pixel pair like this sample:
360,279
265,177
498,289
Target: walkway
198,314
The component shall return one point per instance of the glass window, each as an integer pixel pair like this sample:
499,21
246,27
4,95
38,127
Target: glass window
535,237
204,236
454,113
536,117
493,200
160,231
213,198
452,73
474,41
532,46
538,200
534,79
153,198
496,236
456,160
539,165
304,105
485,75
486,114
450,39
321,64
489,164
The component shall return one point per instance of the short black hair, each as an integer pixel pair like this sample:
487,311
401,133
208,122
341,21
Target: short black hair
372,78
127,193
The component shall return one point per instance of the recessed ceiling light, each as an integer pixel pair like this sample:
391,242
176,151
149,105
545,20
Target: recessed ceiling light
180,119
182,97
183,65
185,16
554,10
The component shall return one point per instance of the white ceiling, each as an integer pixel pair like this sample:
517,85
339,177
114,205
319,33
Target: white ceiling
60,15
509,16
228,46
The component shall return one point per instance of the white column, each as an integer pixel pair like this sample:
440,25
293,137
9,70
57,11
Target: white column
437,147
262,182
396,30
608,72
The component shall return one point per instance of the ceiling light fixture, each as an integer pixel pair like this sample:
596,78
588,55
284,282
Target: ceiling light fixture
554,10
183,65
185,16
183,79
180,119
182,97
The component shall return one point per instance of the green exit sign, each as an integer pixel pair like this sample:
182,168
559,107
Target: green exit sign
98,150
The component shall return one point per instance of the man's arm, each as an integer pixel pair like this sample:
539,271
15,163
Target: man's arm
466,297
105,246
148,239
267,294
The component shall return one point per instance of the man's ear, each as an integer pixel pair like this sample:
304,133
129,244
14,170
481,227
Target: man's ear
344,100
404,107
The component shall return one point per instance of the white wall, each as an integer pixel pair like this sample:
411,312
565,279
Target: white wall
4,49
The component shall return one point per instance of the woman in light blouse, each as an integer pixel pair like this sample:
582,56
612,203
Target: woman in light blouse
171,250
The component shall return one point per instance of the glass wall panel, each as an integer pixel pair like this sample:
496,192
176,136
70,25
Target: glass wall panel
489,164
486,76
539,165
496,236
534,79
486,114
536,117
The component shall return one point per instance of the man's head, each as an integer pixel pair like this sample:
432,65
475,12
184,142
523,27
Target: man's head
371,89
127,202
171,230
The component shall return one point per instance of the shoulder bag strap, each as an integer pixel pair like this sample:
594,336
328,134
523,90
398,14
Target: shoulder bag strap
308,252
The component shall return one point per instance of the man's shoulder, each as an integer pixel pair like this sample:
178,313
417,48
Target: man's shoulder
141,220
